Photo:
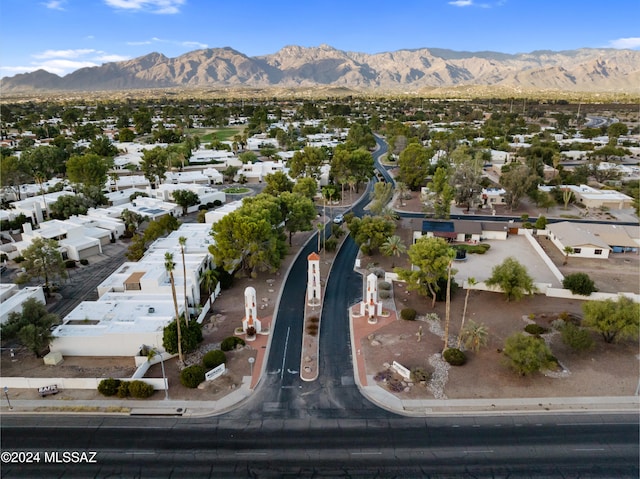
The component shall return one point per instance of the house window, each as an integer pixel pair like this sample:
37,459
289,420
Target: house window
598,251
577,250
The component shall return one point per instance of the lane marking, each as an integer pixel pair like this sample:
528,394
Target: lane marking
284,355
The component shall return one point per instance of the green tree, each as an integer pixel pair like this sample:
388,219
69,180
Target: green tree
615,131
32,326
154,165
306,186
209,280
443,193
69,205
182,241
613,319
88,170
142,121
471,281
527,354
307,162
169,266
431,258
191,336
512,278
126,135
380,197
42,259
517,181
413,165
13,175
466,176
393,246
277,183
102,146
299,212
579,283
371,232
185,198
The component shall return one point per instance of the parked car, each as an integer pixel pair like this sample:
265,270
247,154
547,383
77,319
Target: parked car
338,219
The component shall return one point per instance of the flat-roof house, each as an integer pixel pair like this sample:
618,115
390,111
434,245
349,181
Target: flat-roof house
12,298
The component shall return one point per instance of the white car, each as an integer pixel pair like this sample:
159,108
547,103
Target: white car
338,219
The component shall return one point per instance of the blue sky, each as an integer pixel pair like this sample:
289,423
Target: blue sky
63,35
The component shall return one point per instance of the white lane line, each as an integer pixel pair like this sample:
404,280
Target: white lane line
284,356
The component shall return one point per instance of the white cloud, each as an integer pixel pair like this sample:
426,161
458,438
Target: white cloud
469,3
167,7
112,58
461,3
63,53
55,4
629,42
185,43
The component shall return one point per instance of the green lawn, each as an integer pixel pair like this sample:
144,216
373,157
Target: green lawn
210,134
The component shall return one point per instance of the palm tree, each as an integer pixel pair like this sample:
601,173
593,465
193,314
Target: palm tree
475,335
394,246
169,266
470,281
183,241
209,280
447,308
567,251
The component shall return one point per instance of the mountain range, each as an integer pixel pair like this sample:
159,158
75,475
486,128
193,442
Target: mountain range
582,70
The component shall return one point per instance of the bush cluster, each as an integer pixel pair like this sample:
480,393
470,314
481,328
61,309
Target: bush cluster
535,329
230,343
454,356
213,359
70,263
192,376
408,314
384,286
84,261
123,389
384,294
577,338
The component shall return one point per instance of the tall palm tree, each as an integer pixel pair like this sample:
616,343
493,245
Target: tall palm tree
209,281
471,281
475,335
183,241
447,308
169,266
394,246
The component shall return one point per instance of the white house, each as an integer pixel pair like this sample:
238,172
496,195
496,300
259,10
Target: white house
152,208
216,215
585,244
36,206
206,194
594,198
76,240
135,303
12,297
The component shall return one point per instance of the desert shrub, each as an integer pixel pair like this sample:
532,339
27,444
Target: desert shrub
454,356
192,376
419,375
230,343
384,285
408,314
140,389
18,259
70,263
577,338
213,359
4,257
579,283
379,272
217,203
337,231
558,324
384,294
535,329
108,387
312,329
395,385
331,244
84,261
314,319
385,375
123,389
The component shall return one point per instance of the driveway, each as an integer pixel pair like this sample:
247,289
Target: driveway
479,266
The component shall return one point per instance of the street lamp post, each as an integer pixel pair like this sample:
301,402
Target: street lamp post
6,394
251,361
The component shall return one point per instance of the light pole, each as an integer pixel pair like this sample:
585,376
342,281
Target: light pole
251,361
6,394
